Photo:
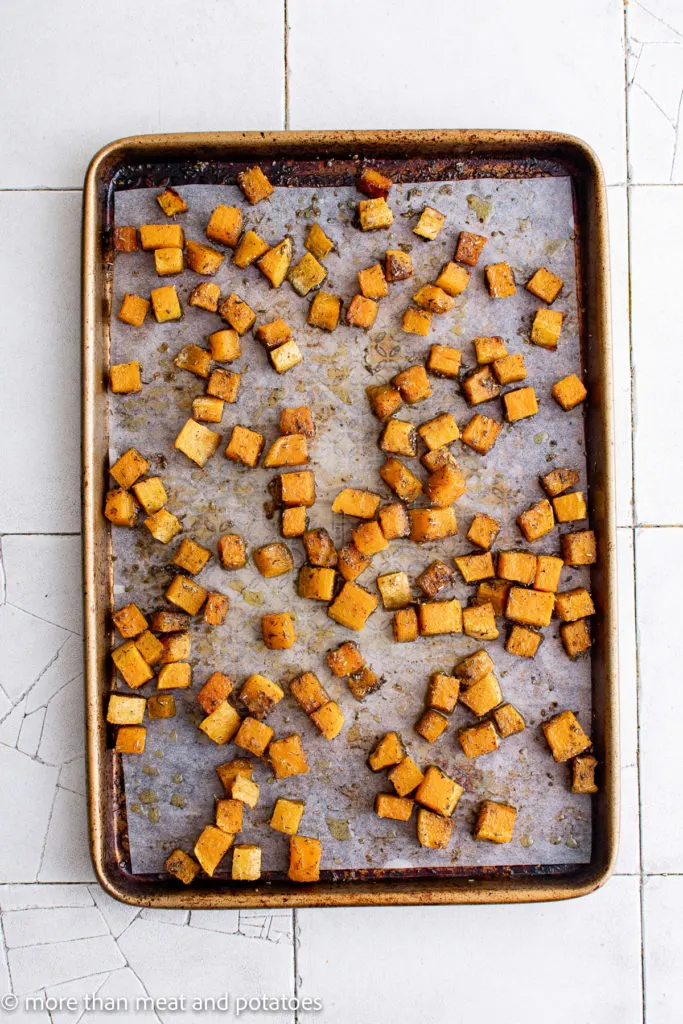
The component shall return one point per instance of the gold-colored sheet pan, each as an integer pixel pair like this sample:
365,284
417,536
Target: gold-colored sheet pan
333,158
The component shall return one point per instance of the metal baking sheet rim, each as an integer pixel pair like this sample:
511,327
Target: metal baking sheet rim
487,886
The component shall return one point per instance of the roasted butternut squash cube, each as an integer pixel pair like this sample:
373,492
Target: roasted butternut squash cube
305,855
482,696
211,848
307,274
431,725
275,263
537,520
398,265
478,739
583,774
125,238
440,431
444,361
122,710
316,584
565,737
369,539
297,488
394,520
388,751
401,480
287,815
171,202
273,560
329,719
186,594
130,739
569,508
229,815
434,578
246,863
397,808
254,736
546,328
510,369
430,223
207,410
495,822
129,621
176,647
569,392
475,567
428,524
243,788
453,280
133,310
433,831
474,667
488,350
308,692
469,248
372,282
374,214
576,637
149,647
129,468
353,606
548,569
182,866
523,642
439,617
124,378
493,592
285,357
529,607
345,660
278,631
255,185
508,720
404,625
517,566
481,433
224,345
232,551
318,243
480,386
214,691
245,446
438,792
216,608
176,676
520,404
373,183
394,589
362,684
169,622
229,771
294,521
206,296
443,692
202,258
237,313
483,530
479,621
362,312
384,400
416,321
433,299
356,503
259,695
165,304
579,548
545,285
287,757
320,549
571,605
500,280
405,776
399,438
131,665
191,556
163,525
197,442
325,311
251,247
274,333
225,225
297,420
161,236
195,359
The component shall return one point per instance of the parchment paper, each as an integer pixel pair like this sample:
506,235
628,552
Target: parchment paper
171,789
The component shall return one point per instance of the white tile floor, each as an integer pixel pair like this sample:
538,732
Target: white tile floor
71,79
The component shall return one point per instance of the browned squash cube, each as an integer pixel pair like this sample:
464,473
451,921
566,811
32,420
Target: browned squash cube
254,736
495,593
353,606
176,676
571,605
480,386
259,695
285,357
579,548
440,431
548,570
398,265
373,183
384,400
243,788
165,304
413,384
511,369
274,333
255,185
298,420
169,622
508,720
361,312
304,859
520,404
316,584
397,808
576,637
453,279
474,667
224,384
372,282
345,660
298,488
287,757
545,285
129,621
529,607
433,299
478,739
481,433
229,815
225,345
149,647
475,567
369,539
318,243
176,647
197,442
523,642
416,321
129,468
191,556
125,238
495,822
439,617
404,625
569,392
225,225
438,792
483,530
275,263
211,847
402,481
181,866
124,378
320,549
434,578
161,236
583,774
374,214
202,258
237,313
546,328
394,521
428,524
482,696
399,438
308,692
278,631
206,296
405,776
438,458
329,719
570,507
537,520
232,551
351,563
433,831
294,521
207,410
430,223
245,446
216,608
273,560
500,280
214,691
487,350
479,621
394,588
251,248
431,725
307,274
517,566
195,359
163,525
123,710
362,684
565,737
186,594
228,772
325,311
469,248
287,815
443,692
388,751
132,666
133,310
130,739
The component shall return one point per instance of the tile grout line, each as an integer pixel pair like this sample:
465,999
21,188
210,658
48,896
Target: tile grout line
286,62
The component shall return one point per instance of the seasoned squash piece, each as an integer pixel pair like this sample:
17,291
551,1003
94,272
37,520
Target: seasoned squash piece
201,258
444,486
480,386
214,691
440,431
474,667
287,815
353,606
479,621
149,647
320,549
444,361
245,446
570,507
565,737
373,183
428,524
285,357
294,521
482,696
433,299
232,551
351,563
278,631
325,311
176,676
260,695
275,263
221,724
384,400
243,788
297,488
357,503
191,556
548,569
495,822
251,247
254,736
125,238
493,592
216,608
130,739
195,359
483,530
206,409
453,280
523,642
405,776
397,808
433,831
481,433
225,225
274,333
228,772
571,605
237,313
206,296
529,607
439,617
229,815
133,310
394,589
165,304
124,378
273,560
169,622
399,437
583,774
289,450
185,594
478,739
374,214
401,480
438,792
306,275
434,578
361,312
431,725
129,621
123,710
443,692
318,243
255,185
197,442
475,567
225,346
388,751
404,625
316,584
163,525
176,647
579,548
372,282
394,520
546,328
500,280
329,719
412,384
520,404
211,847
508,720
363,683
369,539
569,392
398,265
430,223
161,236
487,350
517,566
345,660
308,692
545,285
510,369
416,321
438,458
305,854
297,420
469,248
287,757
129,468
537,520
181,866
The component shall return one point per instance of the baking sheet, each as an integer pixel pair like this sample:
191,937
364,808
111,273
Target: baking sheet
170,791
